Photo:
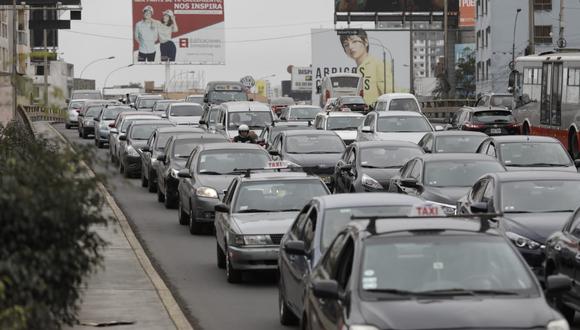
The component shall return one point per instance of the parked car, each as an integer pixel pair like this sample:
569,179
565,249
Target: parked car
397,102
394,125
491,121
452,142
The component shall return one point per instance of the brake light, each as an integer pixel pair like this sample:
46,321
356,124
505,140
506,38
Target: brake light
77,110
474,126
327,95
362,93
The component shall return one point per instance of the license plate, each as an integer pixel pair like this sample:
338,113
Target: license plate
325,179
495,131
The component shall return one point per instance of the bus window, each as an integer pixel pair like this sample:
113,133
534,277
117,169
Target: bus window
556,108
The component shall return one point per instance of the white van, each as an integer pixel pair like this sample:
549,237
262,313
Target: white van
233,114
398,102
341,84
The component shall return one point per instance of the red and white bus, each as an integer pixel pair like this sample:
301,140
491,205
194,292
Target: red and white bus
546,90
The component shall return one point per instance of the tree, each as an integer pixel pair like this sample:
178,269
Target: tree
48,208
465,74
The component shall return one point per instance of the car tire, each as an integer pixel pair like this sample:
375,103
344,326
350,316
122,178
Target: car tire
144,181
160,196
100,145
287,317
169,202
121,168
126,173
182,216
67,126
152,187
195,228
221,257
80,134
566,311
84,134
232,275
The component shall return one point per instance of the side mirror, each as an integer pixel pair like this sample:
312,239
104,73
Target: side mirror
410,183
325,289
366,129
346,167
295,248
479,207
202,122
558,284
184,174
426,150
162,158
122,137
222,208
274,152
146,149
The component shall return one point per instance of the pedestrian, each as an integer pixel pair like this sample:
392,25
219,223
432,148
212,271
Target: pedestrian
167,27
146,35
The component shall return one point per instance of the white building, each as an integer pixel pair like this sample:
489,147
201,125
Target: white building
60,81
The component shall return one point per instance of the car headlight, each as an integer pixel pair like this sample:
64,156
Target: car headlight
132,152
206,192
558,325
367,181
448,209
257,240
174,173
523,242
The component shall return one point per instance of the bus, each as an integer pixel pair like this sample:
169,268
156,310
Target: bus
340,84
546,89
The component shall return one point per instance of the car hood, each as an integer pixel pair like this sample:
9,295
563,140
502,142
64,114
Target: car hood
409,137
382,175
346,135
264,223
187,120
522,313
570,168
536,226
316,163
217,182
445,195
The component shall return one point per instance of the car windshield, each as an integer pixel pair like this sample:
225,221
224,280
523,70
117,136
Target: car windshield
352,100
458,173
336,219
221,162
536,196
303,113
458,144
162,105
442,265
534,154
387,157
404,105
93,111
111,113
192,110
314,144
195,99
502,101
344,123
401,124
143,132
493,116
147,103
277,196
87,96
254,119
221,97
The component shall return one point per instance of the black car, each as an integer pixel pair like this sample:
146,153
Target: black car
138,132
312,232
451,142
434,273
534,205
443,178
491,121
208,172
527,153
154,148
316,151
175,154
368,166
562,258
270,132
87,120
351,103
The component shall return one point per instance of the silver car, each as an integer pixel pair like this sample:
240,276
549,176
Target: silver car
115,144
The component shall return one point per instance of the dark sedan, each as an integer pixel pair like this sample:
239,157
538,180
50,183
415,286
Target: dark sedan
451,142
87,120
443,178
351,103
312,232
527,153
534,205
491,121
269,133
368,166
317,152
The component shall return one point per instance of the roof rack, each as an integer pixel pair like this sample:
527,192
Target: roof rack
248,171
483,218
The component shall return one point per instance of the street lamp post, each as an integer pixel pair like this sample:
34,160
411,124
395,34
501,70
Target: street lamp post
514,39
93,62
110,73
385,50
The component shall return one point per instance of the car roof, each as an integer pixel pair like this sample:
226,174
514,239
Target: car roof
458,133
392,96
302,106
150,122
141,116
195,135
239,106
341,114
365,200
230,145
385,143
180,129
147,96
299,132
523,138
184,103
455,156
127,113
389,226
393,113
536,175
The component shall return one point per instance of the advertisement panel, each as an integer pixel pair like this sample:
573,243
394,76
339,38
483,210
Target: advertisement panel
395,6
465,70
301,79
467,13
361,53
178,31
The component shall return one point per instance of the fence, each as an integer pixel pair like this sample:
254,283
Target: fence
39,113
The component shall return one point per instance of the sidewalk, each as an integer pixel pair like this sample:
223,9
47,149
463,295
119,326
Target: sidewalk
127,289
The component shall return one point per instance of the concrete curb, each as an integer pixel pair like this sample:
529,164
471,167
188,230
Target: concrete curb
169,302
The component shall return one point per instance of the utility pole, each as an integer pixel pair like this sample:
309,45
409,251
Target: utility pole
531,27
14,59
446,43
561,40
412,59
45,44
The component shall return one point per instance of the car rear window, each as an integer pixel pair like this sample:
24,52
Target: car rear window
491,116
186,110
404,105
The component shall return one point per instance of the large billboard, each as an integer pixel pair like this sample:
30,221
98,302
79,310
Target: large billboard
373,6
361,53
178,31
301,79
467,13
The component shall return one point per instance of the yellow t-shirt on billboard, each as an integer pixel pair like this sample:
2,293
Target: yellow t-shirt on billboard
373,72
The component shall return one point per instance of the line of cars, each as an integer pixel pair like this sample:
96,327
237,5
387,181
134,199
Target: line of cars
362,260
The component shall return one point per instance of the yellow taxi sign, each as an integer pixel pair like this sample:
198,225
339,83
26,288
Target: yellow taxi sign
426,210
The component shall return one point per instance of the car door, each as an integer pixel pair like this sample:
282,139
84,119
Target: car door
343,176
337,169
472,195
223,220
162,167
146,155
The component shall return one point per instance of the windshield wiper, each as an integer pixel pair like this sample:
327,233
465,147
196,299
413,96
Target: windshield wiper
344,129
446,292
255,211
210,173
288,210
380,167
538,165
495,292
183,157
392,291
316,152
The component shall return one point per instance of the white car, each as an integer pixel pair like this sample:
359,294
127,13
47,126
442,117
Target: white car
345,124
233,114
394,125
184,113
72,112
398,102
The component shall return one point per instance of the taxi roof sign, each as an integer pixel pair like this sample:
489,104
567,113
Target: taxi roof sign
426,210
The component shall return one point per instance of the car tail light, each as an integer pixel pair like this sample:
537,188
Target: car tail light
474,126
366,107
362,93
327,95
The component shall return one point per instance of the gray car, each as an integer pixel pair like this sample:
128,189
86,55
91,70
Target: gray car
104,120
256,212
118,132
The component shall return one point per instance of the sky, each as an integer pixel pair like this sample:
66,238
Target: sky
105,30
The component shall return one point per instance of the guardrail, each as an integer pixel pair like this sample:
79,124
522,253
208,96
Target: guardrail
441,111
40,113
23,120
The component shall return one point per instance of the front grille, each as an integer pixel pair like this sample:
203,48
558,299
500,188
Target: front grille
276,238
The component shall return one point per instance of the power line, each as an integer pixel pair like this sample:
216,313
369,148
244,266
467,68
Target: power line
227,28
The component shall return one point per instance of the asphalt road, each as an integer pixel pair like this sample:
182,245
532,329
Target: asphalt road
188,263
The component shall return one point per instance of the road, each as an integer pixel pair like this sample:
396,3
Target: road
188,263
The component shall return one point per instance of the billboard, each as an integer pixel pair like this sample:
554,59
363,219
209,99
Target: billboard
467,13
361,53
465,70
373,6
178,31
301,79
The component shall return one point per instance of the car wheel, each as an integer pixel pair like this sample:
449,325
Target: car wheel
304,325
195,228
84,134
574,148
150,184
100,145
233,275
287,317
121,167
221,257
160,196
182,216
169,201
144,181
67,126
566,311
80,134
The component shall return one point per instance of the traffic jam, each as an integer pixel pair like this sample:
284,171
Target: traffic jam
371,217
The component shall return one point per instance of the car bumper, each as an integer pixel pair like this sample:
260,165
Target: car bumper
88,129
133,164
254,258
204,209
103,136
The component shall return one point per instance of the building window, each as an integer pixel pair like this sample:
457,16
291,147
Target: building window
542,4
488,64
477,9
542,34
487,35
573,77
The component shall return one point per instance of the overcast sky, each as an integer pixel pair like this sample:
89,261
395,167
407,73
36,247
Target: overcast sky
245,20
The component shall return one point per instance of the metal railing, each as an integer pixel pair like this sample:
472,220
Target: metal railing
40,113
23,120
452,103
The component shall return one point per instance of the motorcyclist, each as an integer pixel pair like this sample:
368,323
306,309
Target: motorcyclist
244,135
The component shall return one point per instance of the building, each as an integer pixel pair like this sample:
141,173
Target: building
60,79
495,38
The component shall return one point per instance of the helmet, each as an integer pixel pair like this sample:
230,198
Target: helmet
243,127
